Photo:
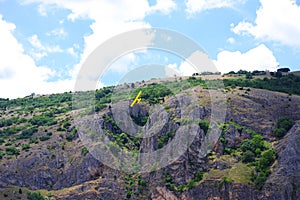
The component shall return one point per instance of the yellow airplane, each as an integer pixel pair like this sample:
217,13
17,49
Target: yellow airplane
137,99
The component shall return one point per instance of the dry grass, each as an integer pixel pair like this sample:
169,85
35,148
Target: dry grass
239,172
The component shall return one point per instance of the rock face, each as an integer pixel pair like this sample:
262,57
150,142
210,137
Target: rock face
69,173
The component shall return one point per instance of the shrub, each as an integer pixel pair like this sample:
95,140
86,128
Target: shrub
25,147
84,150
283,125
204,125
27,133
248,156
12,151
33,140
35,196
43,120
44,138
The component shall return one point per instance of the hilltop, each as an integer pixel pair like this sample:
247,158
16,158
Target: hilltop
256,156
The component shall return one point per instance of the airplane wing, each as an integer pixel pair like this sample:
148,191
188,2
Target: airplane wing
137,99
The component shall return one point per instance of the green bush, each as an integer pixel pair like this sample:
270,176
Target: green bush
153,93
25,147
84,151
283,125
260,180
199,176
204,125
12,151
44,138
248,156
70,136
33,140
35,196
26,134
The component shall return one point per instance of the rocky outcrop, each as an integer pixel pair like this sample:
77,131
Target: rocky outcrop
70,174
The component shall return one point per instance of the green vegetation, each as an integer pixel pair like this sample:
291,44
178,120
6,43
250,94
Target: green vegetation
140,120
102,98
46,119
118,138
70,136
255,152
135,185
25,147
289,84
153,93
204,125
27,133
225,180
30,103
165,138
258,153
35,196
12,151
8,122
283,125
44,137
169,182
84,151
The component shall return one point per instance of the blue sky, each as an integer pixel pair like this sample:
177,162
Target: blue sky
43,43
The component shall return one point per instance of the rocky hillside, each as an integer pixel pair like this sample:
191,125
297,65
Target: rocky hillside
255,156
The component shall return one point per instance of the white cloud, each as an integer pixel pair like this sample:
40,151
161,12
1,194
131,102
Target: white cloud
163,6
72,52
109,18
39,50
231,40
35,42
275,21
19,74
258,58
194,6
196,63
58,32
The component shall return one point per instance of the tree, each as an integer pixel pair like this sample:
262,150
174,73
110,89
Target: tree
284,70
248,75
283,125
248,156
279,132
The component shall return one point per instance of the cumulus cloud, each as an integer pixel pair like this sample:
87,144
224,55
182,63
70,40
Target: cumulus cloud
163,6
39,50
109,18
197,62
258,58
275,21
19,74
119,17
194,6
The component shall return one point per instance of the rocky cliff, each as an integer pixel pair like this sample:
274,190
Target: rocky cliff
65,169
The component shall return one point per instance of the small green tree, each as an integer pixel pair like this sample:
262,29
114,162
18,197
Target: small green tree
248,156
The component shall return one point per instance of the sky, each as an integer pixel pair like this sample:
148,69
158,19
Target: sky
44,43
